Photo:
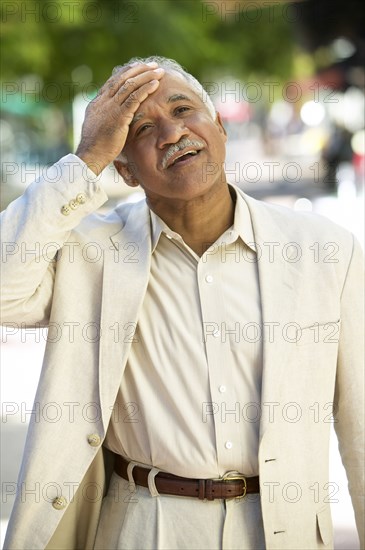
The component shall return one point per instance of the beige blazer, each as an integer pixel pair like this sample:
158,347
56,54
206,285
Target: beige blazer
90,296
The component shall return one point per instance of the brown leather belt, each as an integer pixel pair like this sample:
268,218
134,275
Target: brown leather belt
232,485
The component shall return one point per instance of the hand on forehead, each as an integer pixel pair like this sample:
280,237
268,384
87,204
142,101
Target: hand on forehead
110,113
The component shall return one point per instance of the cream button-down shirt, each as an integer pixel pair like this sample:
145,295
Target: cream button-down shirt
189,401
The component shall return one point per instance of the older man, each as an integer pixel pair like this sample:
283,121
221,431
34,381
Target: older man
200,337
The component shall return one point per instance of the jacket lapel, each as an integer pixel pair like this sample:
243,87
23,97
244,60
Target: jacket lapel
125,280
278,280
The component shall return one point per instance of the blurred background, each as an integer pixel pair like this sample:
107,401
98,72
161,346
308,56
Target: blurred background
287,77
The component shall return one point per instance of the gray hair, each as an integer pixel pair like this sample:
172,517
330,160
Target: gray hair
172,65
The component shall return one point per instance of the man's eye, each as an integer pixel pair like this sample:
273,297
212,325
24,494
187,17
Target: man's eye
143,128
181,109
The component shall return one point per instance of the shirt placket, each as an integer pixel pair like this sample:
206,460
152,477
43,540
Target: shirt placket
224,409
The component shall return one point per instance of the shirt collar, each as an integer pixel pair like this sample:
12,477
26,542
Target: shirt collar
242,226
158,226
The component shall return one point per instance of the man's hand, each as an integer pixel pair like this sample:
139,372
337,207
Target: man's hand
108,116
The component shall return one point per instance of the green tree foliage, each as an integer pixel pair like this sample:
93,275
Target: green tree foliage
51,39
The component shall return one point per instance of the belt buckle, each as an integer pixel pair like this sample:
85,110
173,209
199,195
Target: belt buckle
232,476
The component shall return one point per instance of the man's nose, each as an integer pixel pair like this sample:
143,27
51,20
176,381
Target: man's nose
171,131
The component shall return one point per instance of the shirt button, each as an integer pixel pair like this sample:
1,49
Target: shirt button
209,278
217,333
94,440
59,503
73,204
65,210
222,389
81,198
228,444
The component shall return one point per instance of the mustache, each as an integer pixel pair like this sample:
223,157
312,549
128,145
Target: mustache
176,147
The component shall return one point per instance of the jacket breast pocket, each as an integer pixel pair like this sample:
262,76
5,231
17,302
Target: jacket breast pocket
324,525
319,333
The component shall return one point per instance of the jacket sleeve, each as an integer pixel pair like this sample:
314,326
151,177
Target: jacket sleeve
33,228
349,394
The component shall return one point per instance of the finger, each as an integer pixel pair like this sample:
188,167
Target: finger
122,73
133,79
131,85
130,106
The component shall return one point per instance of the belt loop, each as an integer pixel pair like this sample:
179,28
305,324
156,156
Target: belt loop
151,482
132,485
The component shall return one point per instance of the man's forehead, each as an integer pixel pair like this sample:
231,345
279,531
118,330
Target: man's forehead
174,80
171,85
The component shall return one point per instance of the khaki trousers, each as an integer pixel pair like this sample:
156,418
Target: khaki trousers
137,518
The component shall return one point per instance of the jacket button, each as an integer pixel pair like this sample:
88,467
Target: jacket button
65,210
73,204
59,503
94,440
81,198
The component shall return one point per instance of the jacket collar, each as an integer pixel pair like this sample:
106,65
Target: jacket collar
125,279
279,279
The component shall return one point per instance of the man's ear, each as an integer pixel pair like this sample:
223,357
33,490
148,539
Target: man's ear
221,128
127,172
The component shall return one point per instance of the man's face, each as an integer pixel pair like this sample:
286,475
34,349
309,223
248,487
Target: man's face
171,117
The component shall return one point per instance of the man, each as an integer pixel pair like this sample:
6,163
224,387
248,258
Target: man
201,337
